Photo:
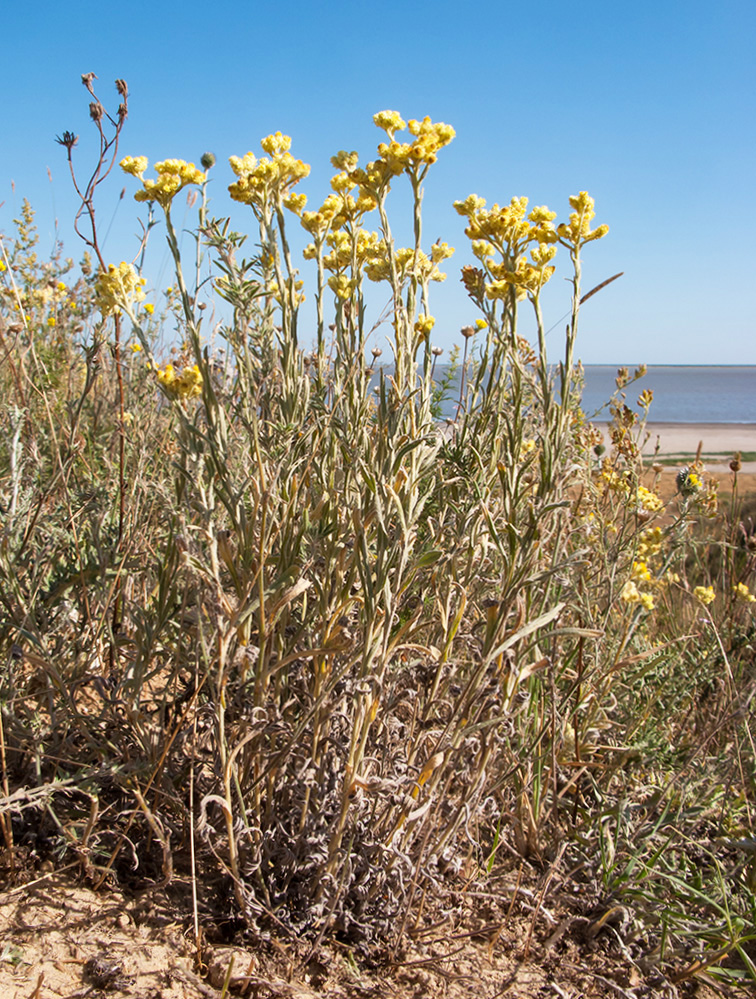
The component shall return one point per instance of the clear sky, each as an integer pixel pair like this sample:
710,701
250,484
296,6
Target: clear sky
649,106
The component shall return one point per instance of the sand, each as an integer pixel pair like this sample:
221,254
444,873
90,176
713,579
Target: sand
719,441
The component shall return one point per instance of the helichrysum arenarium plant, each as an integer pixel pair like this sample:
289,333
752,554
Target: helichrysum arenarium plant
353,644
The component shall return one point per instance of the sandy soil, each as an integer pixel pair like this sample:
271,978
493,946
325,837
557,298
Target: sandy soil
58,938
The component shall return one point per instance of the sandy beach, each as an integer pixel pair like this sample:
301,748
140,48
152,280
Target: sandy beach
719,441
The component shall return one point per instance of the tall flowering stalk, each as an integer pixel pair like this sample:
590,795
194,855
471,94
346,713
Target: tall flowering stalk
407,270
266,185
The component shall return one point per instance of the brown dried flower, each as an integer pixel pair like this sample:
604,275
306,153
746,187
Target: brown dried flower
86,79
68,139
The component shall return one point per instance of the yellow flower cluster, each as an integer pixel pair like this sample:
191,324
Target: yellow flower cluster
646,398
348,248
32,299
295,202
340,208
578,231
430,137
117,287
648,502
610,480
705,594
641,572
187,385
390,122
272,176
646,571
298,295
743,594
508,231
526,278
650,543
424,324
407,262
632,595
341,286
135,165
338,238
360,250
507,227
172,176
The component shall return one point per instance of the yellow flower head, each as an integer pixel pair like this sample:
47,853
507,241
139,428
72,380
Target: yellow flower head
646,398
396,155
526,279
641,572
276,144
429,138
187,385
342,182
259,180
579,231
424,325
632,595
342,286
743,594
172,176
135,165
650,542
118,287
390,122
470,205
441,251
689,481
295,203
345,161
648,500
705,594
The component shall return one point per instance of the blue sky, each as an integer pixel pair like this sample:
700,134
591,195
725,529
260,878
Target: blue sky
648,106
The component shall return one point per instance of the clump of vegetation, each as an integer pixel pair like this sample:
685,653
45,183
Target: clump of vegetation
264,617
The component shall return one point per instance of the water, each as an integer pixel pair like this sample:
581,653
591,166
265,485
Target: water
682,393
